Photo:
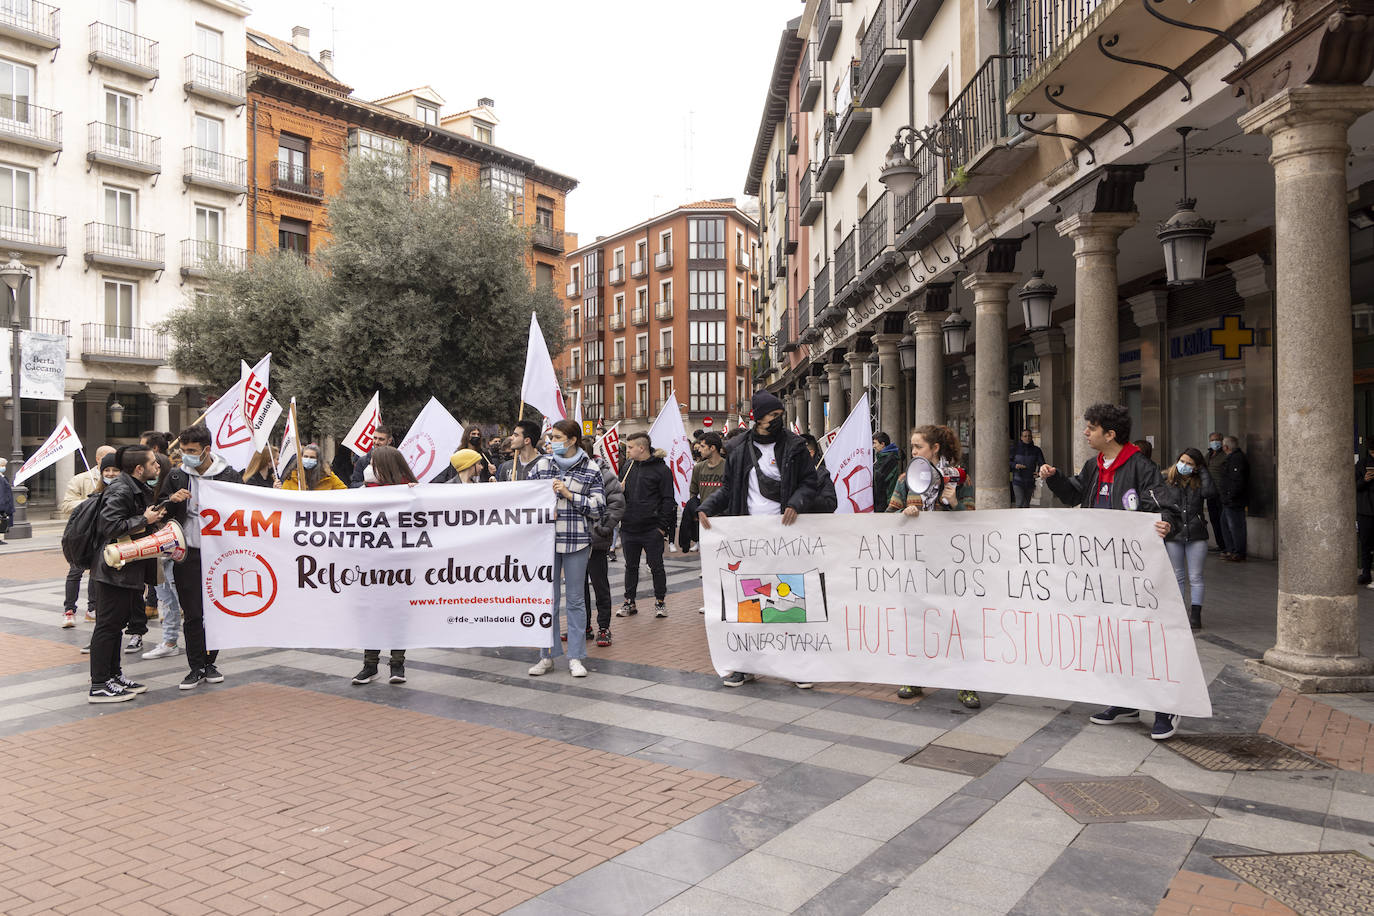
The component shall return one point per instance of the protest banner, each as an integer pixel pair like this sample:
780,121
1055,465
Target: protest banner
431,441
389,567
668,433
260,409
359,437
231,438
1079,605
63,441
539,387
849,460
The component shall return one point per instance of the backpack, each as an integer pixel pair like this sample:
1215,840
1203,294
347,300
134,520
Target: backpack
80,539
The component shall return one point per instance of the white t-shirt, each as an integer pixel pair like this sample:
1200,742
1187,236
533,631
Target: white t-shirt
768,466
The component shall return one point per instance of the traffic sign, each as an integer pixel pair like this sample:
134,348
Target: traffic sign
706,422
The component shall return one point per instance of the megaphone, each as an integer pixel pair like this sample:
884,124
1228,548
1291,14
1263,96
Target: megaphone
167,540
923,479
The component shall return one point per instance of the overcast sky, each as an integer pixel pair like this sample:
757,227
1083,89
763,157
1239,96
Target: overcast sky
611,92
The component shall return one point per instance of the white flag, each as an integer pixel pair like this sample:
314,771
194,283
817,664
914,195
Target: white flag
229,434
540,388
433,437
63,441
290,441
359,438
849,460
608,446
259,408
668,433
577,408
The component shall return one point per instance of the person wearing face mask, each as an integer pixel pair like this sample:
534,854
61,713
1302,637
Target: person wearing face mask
198,464
381,435
164,589
317,475
1182,499
388,468
1216,461
79,488
475,441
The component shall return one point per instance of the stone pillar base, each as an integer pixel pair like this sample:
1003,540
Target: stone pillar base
1298,682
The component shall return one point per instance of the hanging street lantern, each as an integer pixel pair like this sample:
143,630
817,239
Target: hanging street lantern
1185,235
1037,296
906,353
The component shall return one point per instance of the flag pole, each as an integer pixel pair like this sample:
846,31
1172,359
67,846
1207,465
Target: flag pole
521,415
300,458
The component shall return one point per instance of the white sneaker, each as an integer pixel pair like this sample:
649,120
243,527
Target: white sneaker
575,667
161,650
68,619
544,666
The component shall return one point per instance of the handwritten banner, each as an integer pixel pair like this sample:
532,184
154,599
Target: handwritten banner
1077,605
378,567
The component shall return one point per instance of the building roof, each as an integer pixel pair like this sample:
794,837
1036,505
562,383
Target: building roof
425,92
283,54
790,47
719,204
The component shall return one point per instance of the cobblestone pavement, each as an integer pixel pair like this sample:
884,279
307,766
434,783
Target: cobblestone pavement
647,787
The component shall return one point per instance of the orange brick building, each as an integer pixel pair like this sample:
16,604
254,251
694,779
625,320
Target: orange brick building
303,124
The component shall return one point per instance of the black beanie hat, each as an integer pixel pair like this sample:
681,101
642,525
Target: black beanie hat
763,404
109,461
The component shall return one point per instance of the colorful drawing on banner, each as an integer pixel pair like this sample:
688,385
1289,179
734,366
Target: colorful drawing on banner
770,597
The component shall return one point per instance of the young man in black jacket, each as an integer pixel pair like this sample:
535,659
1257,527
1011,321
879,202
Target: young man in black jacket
1234,487
649,522
769,472
381,435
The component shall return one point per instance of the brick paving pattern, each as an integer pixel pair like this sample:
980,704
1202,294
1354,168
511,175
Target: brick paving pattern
1194,894
22,654
32,566
273,799
1318,729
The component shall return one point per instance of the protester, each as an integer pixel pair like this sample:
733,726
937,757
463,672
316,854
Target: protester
1182,499
768,473
940,446
342,465
165,587
887,459
1364,510
603,538
109,472
316,477
198,464
79,488
525,455
125,510
381,435
1026,460
1216,461
581,505
1234,487
474,440
261,470
709,450
6,501
388,468
466,465
1146,448
1121,478
650,517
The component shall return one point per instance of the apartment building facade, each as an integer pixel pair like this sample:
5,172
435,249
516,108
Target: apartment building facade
663,309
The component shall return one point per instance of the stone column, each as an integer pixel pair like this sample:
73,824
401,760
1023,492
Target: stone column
1055,425
838,408
930,369
1148,310
1318,640
856,362
796,403
988,389
162,398
889,383
816,425
1095,375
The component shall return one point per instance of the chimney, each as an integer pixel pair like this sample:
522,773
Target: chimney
300,38
486,103
327,61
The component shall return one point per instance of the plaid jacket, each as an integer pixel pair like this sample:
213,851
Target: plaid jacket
573,527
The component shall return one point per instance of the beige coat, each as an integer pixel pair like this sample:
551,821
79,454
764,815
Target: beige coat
78,488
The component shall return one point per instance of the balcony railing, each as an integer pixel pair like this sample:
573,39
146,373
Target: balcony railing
616,275
30,125
617,321
663,309
639,362
571,289
663,260
822,287
744,310
114,145
121,246
741,258
289,178
663,359
788,344
47,326
978,114
875,230
844,261
780,173
548,239
639,268
808,78
617,365
881,57
827,30
616,412
115,344
199,257
572,330
125,51
1035,29
32,22
572,375
213,79
639,315
29,232
639,410
208,168
779,262
742,357
810,201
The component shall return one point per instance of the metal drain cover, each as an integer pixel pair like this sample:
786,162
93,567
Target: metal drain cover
953,760
1312,883
1115,800
1234,753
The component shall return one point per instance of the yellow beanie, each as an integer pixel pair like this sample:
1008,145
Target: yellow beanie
464,458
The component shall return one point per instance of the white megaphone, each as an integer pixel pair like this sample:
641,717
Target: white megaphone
167,540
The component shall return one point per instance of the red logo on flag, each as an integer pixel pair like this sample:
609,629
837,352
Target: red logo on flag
420,456
231,432
254,396
364,440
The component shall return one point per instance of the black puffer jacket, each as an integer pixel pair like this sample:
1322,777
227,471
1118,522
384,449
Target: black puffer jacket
1185,508
121,513
801,485
650,501
1136,477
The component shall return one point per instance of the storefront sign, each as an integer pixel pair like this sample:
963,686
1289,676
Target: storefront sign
1229,339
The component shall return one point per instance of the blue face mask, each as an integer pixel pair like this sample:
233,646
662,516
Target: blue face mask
190,461
310,463
1214,446
151,481
569,449
1184,468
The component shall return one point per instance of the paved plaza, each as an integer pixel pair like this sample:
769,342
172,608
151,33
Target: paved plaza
650,788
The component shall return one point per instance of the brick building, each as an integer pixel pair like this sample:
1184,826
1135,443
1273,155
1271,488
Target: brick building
666,305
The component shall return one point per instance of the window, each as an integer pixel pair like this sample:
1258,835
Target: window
119,120
642,346
665,241
618,305
118,13
706,239
294,235
209,149
665,390
429,114
665,339
440,179
482,131
119,309
119,217
706,290
740,301
620,398
543,276
507,186
665,291
388,150
210,225
642,298
16,198
209,43
707,390
707,341
261,42
642,250
618,258
543,211
619,349
16,91
642,396
293,160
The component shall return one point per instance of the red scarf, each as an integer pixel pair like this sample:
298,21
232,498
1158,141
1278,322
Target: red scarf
1104,473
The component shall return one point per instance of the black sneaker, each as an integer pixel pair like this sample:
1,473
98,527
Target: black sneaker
398,673
1165,726
135,645
603,638
736,678
192,680
212,675
627,609
109,692
660,609
1114,714
366,675
131,686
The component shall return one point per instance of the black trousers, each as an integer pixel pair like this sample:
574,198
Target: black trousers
1214,514
599,581
114,607
373,656
73,590
650,543
689,529
186,576
1365,525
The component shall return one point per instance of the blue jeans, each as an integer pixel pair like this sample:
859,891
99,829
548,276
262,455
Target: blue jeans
569,588
1187,561
171,607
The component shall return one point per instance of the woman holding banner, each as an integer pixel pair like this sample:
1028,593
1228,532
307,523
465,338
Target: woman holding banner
581,505
388,468
317,475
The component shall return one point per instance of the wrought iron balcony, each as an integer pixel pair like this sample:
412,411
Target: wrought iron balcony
102,343
199,257
742,258
47,326
124,51
31,22
572,330
780,173
26,124
639,410
572,289
808,78
207,168
288,178
111,144
852,127
881,57
547,239
844,261
1037,29
827,30
663,309
875,230
915,18
744,310
663,260
617,411
779,262
663,359
639,268
616,275
213,79
617,365
122,246
793,144
639,362
831,164
811,201
572,375
617,321
786,343
639,315
979,121
821,298
28,232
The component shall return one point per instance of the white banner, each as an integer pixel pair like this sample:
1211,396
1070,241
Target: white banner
849,459
42,368
381,567
63,441
1075,605
431,441
539,388
359,438
232,439
668,433
259,408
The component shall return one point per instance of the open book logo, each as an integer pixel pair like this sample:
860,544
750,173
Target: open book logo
241,583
